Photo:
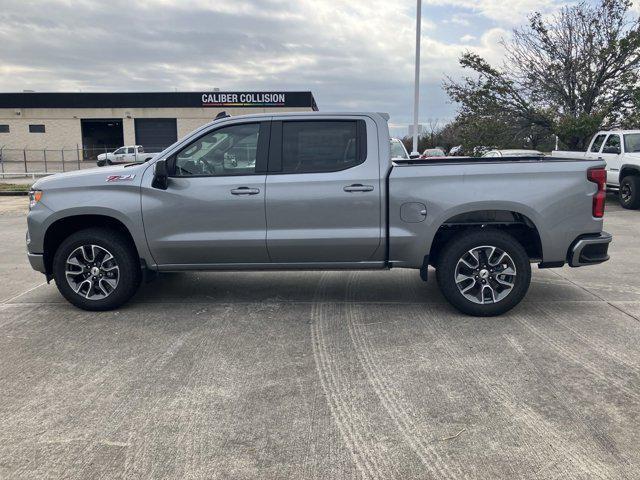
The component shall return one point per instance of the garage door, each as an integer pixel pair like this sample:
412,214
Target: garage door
155,134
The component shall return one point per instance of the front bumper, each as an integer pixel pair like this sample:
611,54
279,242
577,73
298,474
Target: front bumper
37,262
589,249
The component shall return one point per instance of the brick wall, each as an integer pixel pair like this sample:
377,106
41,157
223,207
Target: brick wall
63,126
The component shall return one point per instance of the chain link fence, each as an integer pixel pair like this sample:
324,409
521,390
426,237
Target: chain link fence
26,162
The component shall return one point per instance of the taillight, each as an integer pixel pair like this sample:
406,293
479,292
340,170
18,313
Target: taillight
598,175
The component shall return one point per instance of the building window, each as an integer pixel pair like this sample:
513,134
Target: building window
36,128
4,128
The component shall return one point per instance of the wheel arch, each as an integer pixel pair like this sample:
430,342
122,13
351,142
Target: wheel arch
63,227
629,169
514,222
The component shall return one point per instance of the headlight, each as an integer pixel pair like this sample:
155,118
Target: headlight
34,197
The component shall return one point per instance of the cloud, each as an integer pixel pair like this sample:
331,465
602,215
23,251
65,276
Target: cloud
457,20
351,54
504,11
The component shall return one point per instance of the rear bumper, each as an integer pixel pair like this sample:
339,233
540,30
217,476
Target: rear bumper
37,262
589,249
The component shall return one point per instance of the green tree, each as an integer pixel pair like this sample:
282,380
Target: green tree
567,75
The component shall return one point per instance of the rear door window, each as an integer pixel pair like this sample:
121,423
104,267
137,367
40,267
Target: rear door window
322,146
632,143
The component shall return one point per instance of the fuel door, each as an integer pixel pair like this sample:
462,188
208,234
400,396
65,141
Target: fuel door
413,212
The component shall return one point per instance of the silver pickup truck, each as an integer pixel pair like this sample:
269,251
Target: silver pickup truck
316,191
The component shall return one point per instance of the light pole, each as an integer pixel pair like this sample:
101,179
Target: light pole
416,93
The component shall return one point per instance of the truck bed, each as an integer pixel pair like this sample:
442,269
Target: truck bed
552,193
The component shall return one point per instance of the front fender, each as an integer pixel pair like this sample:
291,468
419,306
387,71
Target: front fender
60,204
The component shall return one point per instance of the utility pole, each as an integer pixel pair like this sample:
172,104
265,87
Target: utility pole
416,93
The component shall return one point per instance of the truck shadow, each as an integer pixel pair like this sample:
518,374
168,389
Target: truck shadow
394,287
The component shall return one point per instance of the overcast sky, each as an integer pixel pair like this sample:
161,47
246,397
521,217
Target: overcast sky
352,54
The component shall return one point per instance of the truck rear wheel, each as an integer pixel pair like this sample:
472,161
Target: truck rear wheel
484,273
96,269
630,192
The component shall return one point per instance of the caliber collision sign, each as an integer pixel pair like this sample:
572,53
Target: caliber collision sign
225,99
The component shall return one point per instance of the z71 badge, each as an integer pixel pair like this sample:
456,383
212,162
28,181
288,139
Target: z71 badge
120,178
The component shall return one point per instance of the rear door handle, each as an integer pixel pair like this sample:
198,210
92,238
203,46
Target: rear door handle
358,187
245,191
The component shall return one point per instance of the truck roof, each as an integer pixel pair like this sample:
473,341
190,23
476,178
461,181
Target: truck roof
383,116
604,132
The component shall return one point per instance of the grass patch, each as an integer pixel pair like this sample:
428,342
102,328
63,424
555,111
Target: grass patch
14,187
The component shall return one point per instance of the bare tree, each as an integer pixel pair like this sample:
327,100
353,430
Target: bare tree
568,74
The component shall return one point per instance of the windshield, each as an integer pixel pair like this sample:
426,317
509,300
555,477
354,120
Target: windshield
397,150
632,142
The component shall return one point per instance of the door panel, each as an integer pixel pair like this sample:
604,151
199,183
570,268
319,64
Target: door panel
326,216
201,221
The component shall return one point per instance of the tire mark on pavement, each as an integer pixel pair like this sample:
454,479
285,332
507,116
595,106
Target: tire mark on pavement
400,413
368,457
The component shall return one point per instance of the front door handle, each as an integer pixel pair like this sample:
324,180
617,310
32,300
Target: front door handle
358,187
245,191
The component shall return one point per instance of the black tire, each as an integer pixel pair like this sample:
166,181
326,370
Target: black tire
454,252
109,162
124,256
629,193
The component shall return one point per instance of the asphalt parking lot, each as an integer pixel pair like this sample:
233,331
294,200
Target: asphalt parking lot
321,375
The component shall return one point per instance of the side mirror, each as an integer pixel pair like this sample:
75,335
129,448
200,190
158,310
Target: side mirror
414,156
615,150
160,175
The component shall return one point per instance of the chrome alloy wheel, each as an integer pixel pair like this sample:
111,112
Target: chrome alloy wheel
485,274
92,272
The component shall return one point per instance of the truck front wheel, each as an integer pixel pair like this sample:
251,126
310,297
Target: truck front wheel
630,192
484,272
96,269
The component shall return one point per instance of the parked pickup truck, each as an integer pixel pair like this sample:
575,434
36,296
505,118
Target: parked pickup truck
620,149
132,153
316,191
